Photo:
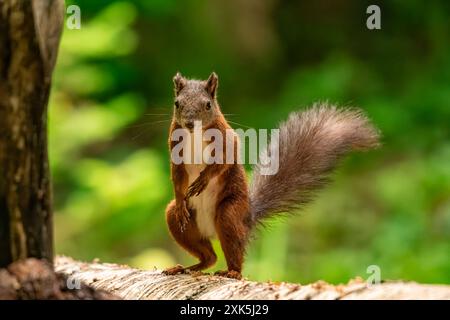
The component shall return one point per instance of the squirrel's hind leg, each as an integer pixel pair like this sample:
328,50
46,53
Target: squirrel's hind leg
233,232
190,240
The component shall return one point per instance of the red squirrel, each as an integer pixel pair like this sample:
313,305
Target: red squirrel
214,200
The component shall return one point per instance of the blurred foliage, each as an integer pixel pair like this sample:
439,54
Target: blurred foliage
112,99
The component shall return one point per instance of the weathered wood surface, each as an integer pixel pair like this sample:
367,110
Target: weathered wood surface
129,283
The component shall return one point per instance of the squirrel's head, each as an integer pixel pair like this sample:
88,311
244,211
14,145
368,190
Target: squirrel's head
195,100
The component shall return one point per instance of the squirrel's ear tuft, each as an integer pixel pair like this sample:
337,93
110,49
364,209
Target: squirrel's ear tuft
211,84
179,82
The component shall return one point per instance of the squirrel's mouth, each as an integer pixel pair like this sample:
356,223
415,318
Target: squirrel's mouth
189,125
192,125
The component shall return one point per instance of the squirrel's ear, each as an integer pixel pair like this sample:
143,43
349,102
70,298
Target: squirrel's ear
211,84
179,82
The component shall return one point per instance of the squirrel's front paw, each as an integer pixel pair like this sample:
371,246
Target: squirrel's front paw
183,218
196,187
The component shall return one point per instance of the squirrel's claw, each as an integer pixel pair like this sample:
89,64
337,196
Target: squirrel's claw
196,188
183,225
229,274
184,216
174,270
184,222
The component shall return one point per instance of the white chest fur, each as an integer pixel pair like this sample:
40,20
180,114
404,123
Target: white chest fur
205,203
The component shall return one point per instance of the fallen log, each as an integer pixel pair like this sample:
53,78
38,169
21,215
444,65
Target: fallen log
130,283
35,279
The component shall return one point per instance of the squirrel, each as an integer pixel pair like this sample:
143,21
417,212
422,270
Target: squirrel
215,200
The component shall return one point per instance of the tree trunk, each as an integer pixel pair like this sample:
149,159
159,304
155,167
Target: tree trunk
128,283
29,39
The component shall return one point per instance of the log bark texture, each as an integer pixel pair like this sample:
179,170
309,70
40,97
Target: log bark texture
129,283
32,279
29,39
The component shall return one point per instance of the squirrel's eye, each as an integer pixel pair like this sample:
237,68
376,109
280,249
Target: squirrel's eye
177,104
208,105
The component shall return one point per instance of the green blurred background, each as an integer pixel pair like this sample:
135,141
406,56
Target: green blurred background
112,99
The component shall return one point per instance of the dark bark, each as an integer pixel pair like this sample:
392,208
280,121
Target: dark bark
29,37
35,279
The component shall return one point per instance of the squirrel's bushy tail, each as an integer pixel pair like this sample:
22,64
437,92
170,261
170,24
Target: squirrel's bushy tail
310,145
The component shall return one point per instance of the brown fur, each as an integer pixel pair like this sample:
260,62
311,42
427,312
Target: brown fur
310,144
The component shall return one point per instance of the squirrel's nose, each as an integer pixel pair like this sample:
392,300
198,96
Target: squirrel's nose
189,125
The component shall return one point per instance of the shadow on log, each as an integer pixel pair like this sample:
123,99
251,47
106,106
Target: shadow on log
129,283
